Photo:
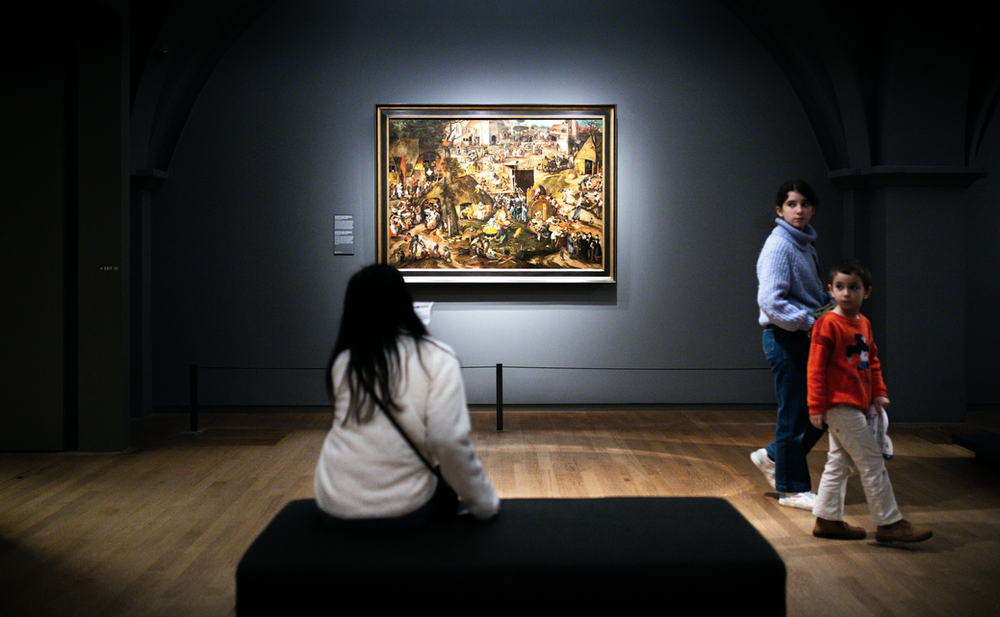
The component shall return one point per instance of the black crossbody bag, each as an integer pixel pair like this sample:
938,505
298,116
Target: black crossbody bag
444,503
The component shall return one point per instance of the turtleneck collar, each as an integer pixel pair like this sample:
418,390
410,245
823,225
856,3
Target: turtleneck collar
802,237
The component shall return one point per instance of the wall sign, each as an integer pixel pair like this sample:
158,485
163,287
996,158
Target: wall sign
343,234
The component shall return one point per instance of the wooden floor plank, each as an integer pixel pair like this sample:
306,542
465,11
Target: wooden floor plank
158,530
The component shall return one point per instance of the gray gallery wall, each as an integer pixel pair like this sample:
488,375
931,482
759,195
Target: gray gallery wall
64,192
981,211
252,124
282,138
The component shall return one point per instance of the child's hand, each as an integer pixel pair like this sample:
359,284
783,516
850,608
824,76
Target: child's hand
818,420
881,403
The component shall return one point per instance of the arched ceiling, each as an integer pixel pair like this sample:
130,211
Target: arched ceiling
837,56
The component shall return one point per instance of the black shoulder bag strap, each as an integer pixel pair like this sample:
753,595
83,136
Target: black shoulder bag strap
445,499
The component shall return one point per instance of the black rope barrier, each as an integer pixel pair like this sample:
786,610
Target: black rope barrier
498,367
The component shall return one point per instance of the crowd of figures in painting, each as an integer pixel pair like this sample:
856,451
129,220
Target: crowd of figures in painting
495,194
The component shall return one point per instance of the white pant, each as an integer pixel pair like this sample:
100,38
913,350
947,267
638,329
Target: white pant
851,442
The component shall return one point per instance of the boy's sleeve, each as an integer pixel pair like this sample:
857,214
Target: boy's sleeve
875,368
820,348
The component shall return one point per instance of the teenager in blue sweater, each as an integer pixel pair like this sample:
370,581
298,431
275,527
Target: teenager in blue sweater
790,292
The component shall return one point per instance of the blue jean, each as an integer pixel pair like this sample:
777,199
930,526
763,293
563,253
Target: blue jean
794,435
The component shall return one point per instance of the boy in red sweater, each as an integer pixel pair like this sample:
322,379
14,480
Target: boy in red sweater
844,383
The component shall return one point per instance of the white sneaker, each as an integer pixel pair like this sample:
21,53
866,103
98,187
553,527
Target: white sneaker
803,501
764,464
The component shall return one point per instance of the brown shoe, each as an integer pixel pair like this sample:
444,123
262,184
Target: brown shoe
902,531
837,530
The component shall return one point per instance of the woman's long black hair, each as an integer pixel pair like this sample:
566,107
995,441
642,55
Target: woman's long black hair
378,309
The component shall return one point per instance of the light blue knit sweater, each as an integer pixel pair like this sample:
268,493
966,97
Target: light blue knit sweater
789,287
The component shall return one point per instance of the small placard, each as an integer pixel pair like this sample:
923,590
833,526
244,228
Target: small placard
343,234
423,311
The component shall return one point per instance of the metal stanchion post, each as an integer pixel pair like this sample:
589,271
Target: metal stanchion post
499,396
194,398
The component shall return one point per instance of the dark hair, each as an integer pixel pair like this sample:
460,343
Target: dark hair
852,266
378,309
799,186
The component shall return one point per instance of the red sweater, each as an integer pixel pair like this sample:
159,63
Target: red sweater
843,364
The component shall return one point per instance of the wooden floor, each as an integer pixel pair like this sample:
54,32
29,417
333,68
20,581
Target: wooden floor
158,530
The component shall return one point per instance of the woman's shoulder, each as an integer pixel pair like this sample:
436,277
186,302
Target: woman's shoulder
776,249
431,345
778,240
425,346
340,362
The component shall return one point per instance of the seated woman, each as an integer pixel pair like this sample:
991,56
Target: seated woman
368,474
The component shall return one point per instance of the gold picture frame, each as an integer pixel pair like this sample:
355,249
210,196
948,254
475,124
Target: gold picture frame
515,193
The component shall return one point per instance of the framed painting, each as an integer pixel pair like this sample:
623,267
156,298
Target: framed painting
514,193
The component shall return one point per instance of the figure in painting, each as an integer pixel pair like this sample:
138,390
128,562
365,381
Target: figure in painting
483,194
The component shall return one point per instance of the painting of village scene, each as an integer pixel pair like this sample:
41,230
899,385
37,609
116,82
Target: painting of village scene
523,194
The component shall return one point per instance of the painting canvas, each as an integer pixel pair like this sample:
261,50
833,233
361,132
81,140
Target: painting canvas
497,194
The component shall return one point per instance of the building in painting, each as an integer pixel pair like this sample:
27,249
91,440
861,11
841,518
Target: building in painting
564,133
588,159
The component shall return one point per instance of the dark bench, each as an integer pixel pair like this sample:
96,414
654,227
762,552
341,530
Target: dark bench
985,445
550,554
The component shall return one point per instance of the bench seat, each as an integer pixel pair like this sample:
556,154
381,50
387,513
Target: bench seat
550,554
985,445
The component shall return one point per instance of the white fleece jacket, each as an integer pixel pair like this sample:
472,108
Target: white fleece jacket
369,471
